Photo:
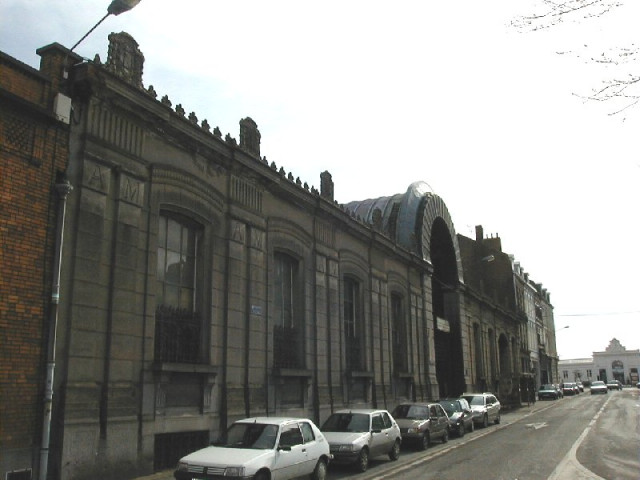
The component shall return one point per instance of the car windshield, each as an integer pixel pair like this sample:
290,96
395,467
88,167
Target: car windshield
474,399
346,422
450,407
411,412
251,435
547,387
596,383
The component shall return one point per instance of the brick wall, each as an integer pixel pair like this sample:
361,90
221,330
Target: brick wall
32,150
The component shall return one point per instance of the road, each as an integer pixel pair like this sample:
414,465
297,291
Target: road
586,437
583,437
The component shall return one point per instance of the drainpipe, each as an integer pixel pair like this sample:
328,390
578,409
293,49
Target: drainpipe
63,188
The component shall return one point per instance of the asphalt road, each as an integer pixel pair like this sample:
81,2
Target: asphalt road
583,437
586,437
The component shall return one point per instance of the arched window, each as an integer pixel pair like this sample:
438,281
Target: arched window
353,327
178,322
478,351
399,333
287,313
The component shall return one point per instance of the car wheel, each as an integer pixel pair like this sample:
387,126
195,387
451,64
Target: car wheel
261,475
320,472
485,421
445,437
498,419
461,429
394,454
425,441
363,460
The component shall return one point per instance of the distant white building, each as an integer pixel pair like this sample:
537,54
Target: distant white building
615,363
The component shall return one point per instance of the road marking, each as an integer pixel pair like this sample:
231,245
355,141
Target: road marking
569,468
537,426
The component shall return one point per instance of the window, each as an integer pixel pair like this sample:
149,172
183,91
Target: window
290,436
588,373
178,323
399,334
477,343
287,329
354,338
565,374
307,432
386,420
377,423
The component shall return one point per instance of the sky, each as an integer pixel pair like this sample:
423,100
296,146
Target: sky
494,118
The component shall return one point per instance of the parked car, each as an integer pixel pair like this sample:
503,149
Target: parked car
355,436
261,448
484,406
547,391
559,390
613,385
599,387
460,415
421,423
580,386
570,388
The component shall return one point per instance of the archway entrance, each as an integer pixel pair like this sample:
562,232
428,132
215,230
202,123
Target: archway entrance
446,312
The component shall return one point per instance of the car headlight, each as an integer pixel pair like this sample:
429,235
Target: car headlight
183,466
234,472
346,448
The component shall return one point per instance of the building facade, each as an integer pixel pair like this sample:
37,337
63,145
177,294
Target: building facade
614,363
200,284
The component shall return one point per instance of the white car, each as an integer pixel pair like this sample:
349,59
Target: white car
355,436
261,448
599,387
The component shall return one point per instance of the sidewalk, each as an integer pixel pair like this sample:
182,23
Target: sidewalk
509,416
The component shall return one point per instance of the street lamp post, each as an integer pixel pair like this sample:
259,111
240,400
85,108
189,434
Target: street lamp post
116,7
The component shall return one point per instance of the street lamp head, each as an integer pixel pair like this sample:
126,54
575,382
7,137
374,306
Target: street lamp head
488,258
120,6
116,7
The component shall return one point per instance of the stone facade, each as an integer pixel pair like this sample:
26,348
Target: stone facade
201,284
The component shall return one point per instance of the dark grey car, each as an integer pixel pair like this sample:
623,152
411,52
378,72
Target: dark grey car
460,415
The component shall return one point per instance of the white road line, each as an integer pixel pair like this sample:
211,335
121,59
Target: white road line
569,468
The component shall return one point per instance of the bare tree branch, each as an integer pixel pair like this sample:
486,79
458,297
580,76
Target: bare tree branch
617,89
553,13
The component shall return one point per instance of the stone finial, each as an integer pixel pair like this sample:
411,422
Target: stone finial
125,58
326,185
250,136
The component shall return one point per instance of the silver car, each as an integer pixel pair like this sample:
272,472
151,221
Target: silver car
485,407
355,436
420,423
